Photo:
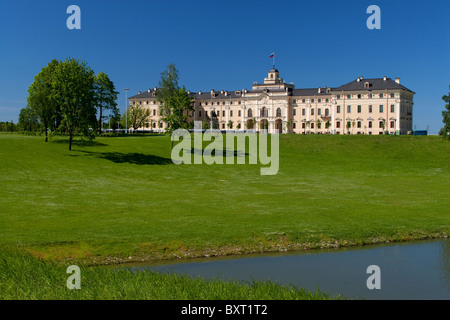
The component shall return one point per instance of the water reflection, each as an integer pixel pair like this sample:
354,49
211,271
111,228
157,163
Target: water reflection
418,270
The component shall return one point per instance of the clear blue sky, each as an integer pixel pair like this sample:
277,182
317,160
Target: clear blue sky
225,45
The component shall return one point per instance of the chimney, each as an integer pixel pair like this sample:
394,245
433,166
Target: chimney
189,92
358,79
149,90
226,93
199,92
397,80
319,91
385,78
139,92
361,77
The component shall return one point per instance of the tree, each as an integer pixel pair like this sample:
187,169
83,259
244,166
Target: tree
446,117
105,96
137,117
73,89
327,125
174,101
28,119
41,98
230,124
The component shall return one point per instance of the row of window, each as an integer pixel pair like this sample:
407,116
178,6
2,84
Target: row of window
349,110
349,125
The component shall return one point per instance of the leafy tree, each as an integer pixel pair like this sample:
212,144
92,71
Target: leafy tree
230,124
446,116
28,119
41,98
327,125
73,89
137,117
105,97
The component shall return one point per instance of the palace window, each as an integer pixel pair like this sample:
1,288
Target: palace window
338,96
392,124
312,125
312,111
370,108
338,109
199,114
303,125
338,124
349,108
370,124
319,100
303,100
349,96
312,100
278,112
359,96
294,111
319,111
250,113
381,95
381,108
358,124
231,113
392,95
392,108
359,108
303,112
263,112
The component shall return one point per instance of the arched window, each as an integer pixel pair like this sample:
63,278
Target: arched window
263,112
250,113
278,112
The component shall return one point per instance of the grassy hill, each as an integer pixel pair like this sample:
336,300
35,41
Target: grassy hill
122,199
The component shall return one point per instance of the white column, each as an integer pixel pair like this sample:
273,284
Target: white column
333,129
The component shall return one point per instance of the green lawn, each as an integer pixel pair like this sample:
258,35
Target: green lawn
123,197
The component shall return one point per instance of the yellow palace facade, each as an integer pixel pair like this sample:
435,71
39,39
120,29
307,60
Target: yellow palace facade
364,106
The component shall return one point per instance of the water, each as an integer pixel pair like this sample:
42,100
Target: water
415,270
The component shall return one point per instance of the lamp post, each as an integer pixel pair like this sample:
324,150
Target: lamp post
126,110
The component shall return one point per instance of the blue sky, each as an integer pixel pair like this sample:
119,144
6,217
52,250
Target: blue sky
225,45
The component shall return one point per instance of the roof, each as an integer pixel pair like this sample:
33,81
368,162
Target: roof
374,84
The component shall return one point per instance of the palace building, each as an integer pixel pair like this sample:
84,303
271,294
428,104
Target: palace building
363,106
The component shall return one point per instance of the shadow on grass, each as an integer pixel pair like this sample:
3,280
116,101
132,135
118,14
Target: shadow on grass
134,158
80,143
233,153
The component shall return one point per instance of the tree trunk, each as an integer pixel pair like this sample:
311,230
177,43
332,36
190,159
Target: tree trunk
46,129
100,124
70,139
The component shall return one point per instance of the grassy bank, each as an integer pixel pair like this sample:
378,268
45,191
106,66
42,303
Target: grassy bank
23,277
